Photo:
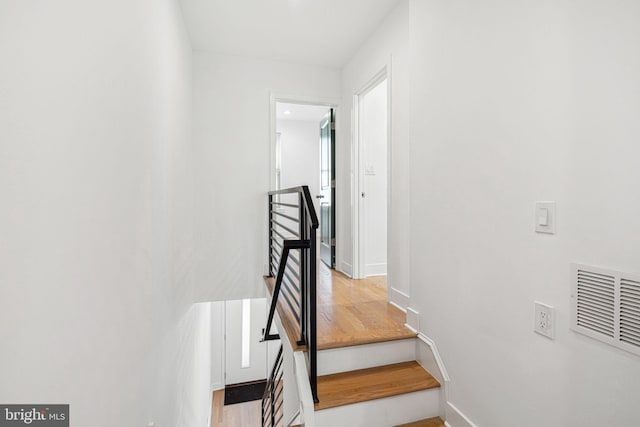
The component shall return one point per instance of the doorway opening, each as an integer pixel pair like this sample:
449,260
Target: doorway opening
371,204
240,361
303,153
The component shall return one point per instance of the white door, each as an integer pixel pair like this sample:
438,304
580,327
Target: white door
373,181
245,355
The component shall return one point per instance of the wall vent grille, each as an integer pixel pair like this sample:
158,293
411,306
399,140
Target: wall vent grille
630,312
606,306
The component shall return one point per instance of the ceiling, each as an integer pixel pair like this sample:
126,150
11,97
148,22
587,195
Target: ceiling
310,113
319,32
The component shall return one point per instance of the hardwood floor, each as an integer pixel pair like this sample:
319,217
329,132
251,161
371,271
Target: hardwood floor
350,312
431,422
238,415
372,383
353,312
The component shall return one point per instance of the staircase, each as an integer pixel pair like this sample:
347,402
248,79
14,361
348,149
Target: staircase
377,384
366,369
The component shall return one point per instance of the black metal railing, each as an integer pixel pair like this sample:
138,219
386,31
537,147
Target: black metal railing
292,262
273,398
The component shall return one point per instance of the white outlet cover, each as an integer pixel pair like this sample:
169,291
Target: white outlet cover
544,318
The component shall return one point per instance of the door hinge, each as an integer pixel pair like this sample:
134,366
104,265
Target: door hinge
333,125
333,183
333,241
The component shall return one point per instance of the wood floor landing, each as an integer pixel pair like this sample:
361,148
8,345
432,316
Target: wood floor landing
350,312
354,312
236,415
431,422
363,385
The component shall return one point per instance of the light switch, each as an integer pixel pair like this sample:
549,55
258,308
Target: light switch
546,217
543,216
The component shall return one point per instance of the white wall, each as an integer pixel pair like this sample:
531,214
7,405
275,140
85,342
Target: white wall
300,142
389,45
373,133
232,137
513,102
217,344
96,223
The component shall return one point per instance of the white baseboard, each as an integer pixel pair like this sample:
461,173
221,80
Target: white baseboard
455,418
429,357
398,298
413,319
307,412
217,386
398,306
379,269
346,268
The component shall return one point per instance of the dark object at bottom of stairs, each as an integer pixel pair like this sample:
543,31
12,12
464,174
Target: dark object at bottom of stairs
245,392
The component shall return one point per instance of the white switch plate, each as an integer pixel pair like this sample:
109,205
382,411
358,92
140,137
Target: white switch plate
544,319
546,217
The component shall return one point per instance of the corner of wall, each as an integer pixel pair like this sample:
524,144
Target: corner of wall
398,298
346,268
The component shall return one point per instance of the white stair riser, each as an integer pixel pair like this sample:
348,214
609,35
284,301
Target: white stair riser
385,412
365,356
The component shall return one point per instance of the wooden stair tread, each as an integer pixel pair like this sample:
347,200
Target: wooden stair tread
346,322
431,422
346,388
356,312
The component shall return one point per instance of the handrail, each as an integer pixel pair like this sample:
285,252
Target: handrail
311,211
288,245
297,294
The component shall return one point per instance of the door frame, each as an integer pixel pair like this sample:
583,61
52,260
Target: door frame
274,98
359,267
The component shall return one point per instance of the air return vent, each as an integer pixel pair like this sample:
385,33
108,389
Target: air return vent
630,312
606,306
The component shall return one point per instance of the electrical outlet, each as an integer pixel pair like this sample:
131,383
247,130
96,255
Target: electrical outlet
544,318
